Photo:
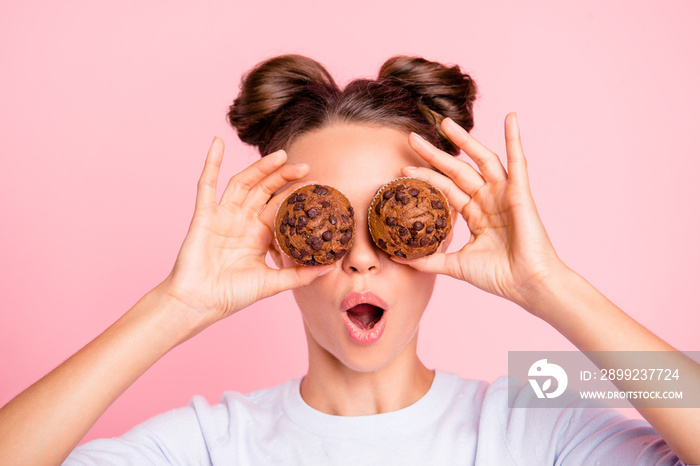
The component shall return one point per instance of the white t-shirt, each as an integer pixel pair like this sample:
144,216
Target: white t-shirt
457,422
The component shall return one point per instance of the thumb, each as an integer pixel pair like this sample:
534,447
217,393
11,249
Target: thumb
435,263
300,275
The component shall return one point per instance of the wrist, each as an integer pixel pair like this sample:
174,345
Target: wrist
538,294
177,317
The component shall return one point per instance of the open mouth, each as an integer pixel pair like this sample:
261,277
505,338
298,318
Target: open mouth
365,316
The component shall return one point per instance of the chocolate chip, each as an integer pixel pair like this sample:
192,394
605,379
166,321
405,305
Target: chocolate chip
325,204
403,231
424,241
351,210
387,194
442,236
391,221
400,187
433,240
303,252
418,226
292,199
412,242
378,208
430,229
344,218
330,255
381,243
292,232
327,235
399,254
320,190
312,212
298,206
345,239
283,228
413,192
291,221
288,243
312,262
433,190
333,220
400,196
440,223
314,242
301,197
295,254
303,220
340,254
437,204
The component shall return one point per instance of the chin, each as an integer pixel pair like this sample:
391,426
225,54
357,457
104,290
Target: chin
360,358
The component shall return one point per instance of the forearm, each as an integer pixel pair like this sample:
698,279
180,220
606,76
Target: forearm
593,323
45,422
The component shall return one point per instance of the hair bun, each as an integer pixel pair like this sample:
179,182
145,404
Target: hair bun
440,91
268,89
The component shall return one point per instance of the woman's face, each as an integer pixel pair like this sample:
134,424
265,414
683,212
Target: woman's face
341,310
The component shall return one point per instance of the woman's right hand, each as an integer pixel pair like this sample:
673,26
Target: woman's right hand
221,267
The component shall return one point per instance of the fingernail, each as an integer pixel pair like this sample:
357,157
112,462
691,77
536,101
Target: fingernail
398,260
450,122
419,137
409,168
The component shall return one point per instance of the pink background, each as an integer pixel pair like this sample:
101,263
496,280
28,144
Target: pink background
106,113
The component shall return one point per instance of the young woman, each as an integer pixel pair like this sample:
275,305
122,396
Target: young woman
359,403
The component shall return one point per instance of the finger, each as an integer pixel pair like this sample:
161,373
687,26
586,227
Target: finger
438,263
435,263
517,165
294,277
239,185
267,216
463,174
206,186
488,162
455,196
263,191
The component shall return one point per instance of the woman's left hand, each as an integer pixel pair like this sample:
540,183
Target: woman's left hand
509,253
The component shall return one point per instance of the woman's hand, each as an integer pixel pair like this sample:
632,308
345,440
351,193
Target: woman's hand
221,267
509,253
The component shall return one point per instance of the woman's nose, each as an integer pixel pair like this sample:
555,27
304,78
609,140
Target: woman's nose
363,256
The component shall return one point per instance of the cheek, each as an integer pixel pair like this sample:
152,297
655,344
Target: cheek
412,288
316,299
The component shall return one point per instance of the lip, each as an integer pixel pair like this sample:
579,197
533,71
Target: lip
358,335
367,297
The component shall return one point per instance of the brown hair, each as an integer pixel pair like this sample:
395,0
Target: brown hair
289,95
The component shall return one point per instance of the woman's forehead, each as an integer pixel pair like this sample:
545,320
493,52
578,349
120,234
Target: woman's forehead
354,158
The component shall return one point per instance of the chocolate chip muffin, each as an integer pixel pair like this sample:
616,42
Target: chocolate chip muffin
315,225
409,218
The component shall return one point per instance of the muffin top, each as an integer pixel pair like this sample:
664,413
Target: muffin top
315,225
409,218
